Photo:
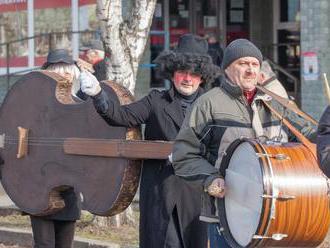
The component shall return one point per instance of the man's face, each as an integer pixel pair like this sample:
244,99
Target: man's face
94,56
186,83
244,72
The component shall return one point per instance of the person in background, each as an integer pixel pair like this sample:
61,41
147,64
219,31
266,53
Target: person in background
94,52
269,80
57,230
215,50
95,55
169,206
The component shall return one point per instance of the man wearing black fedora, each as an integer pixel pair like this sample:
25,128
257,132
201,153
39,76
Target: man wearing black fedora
169,206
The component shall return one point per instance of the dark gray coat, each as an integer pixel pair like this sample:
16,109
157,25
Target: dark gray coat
160,190
323,142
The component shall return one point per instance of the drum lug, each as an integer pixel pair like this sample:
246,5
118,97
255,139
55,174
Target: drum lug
279,156
275,236
279,197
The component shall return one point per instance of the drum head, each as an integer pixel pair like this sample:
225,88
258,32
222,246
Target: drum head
243,201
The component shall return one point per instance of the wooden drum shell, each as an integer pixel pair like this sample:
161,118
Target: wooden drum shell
305,219
295,197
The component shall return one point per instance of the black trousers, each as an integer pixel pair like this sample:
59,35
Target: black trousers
52,233
173,235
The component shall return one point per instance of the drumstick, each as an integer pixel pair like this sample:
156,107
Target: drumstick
326,86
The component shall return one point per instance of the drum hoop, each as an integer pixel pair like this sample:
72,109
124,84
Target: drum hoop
221,201
267,203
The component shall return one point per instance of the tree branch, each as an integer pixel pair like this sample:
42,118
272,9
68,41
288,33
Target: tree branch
139,26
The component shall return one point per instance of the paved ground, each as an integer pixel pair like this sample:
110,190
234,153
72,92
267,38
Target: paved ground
23,238
6,204
11,246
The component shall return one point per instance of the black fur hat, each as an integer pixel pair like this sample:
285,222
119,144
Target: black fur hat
190,54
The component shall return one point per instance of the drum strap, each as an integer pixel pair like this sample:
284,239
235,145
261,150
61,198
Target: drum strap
287,103
310,146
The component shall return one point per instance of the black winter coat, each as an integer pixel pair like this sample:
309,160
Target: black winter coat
323,142
160,190
71,211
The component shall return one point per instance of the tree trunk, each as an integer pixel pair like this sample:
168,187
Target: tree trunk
124,40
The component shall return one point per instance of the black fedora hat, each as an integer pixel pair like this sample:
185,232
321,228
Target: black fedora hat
58,56
190,43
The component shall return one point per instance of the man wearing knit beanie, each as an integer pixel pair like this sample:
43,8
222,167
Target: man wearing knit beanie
241,64
240,48
224,114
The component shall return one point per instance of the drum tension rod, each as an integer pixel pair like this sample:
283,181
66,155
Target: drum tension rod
279,156
279,197
275,236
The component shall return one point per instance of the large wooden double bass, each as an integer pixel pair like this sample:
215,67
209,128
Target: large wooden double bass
37,119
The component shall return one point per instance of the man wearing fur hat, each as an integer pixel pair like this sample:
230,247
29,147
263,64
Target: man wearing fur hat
169,206
220,116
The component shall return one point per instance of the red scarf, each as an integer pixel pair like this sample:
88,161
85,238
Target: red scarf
249,95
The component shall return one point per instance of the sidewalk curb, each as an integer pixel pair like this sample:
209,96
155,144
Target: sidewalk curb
6,211
14,236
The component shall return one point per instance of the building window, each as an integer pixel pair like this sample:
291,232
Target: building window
290,10
52,20
13,26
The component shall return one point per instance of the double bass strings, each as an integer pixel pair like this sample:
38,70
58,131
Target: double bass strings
50,141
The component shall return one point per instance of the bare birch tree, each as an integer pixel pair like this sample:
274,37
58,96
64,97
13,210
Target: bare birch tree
124,44
124,40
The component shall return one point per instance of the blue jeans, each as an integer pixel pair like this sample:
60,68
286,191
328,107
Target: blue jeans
217,240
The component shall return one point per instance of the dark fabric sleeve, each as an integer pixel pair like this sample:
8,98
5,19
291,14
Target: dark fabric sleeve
123,115
323,142
81,95
189,159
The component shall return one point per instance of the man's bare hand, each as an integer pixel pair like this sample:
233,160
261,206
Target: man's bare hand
217,188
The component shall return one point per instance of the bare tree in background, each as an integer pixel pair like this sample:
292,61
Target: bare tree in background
124,44
124,40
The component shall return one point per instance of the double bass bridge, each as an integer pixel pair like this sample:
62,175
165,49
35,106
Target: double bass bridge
2,141
23,138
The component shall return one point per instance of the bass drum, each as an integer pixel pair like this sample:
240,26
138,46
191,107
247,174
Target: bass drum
277,196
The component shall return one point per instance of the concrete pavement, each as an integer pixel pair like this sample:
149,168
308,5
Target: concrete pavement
14,236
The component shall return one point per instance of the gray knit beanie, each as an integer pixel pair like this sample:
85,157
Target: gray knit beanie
238,49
